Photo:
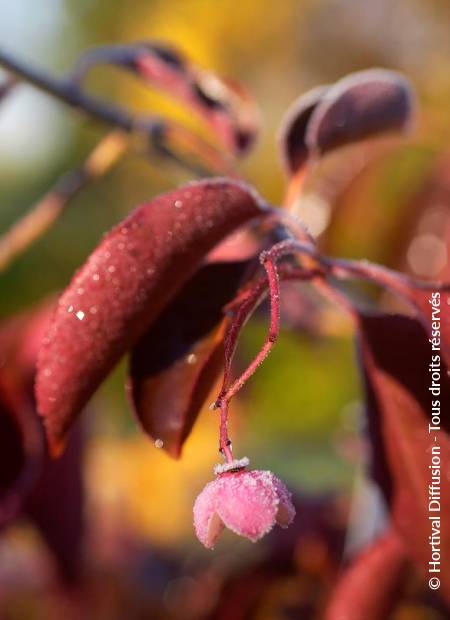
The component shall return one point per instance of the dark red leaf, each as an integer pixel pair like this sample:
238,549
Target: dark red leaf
21,437
370,587
49,492
226,106
56,505
359,106
21,444
124,286
20,340
292,135
175,363
356,107
417,294
395,355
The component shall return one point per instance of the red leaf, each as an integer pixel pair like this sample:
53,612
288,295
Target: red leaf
21,445
174,365
21,438
56,506
292,134
370,587
49,492
226,106
359,106
396,354
419,295
124,286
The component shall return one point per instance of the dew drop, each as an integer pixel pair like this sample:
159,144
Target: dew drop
191,358
96,277
178,204
159,443
93,309
111,269
80,290
80,315
70,308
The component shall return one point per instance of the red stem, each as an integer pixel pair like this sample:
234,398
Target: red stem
224,439
248,300
274,290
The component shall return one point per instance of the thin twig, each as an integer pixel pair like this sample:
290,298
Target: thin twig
316,269
242,308
167,139
225,445
159,131
274,290
65,90
45,212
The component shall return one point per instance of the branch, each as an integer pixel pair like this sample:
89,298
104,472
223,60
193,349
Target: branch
167,138
65,90
160,132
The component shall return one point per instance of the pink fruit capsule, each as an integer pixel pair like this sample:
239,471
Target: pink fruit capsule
248,503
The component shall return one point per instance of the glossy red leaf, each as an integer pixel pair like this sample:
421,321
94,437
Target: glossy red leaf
175,363
395,355
124,286
225,105
359,106
371,586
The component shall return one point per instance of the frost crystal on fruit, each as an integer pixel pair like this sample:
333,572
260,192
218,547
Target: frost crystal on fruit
248,503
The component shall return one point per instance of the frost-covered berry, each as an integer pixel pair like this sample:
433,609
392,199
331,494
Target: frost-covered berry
247,502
